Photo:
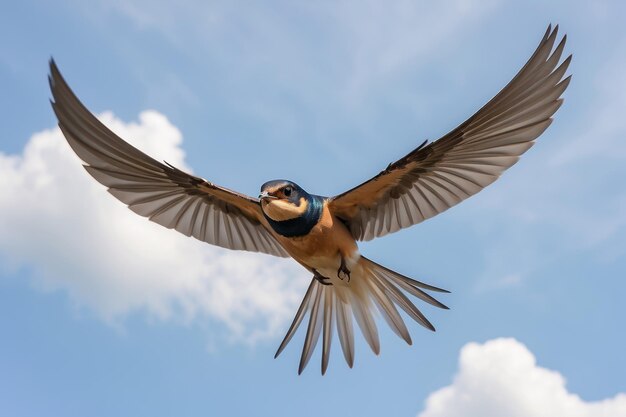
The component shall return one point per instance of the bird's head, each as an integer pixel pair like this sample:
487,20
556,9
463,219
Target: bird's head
283,200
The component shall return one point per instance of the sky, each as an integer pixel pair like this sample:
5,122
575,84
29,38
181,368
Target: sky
105,313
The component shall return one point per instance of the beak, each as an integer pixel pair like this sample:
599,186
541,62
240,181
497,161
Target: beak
264,195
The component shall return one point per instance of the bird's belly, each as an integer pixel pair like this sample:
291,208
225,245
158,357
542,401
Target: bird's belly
324,246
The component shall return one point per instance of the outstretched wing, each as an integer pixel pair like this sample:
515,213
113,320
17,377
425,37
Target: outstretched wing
161,192
437,176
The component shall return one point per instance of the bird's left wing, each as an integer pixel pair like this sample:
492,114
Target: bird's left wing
435,177
161,192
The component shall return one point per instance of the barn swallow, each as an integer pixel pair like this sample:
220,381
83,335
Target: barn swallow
321,233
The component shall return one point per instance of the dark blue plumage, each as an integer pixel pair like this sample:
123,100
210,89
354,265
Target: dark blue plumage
303,224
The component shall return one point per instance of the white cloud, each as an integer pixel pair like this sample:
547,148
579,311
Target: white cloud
501,378
73,236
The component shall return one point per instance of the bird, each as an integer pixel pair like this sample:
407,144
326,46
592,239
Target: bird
322,233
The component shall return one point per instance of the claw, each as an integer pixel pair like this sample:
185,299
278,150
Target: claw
343,272
321,279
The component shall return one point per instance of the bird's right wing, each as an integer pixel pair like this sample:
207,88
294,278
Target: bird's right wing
161,192
439,175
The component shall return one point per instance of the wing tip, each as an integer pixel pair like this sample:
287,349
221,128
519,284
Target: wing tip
55,74
548,30
52,65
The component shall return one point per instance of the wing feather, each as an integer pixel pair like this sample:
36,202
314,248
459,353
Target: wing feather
437,176
159,191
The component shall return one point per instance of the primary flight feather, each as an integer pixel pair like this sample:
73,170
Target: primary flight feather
319,232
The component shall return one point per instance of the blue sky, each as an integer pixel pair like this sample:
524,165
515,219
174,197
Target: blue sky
103,313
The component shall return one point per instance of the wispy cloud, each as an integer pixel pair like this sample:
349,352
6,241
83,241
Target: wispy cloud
501,378
297,67
64,227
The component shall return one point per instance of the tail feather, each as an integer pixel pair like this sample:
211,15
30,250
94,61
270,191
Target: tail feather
363,315
328,328
389,312
416,292
408,280
304,306
314,328
371,285
345,330
399,298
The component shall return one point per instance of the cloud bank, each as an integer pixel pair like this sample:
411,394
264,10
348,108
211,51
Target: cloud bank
72,236
501,378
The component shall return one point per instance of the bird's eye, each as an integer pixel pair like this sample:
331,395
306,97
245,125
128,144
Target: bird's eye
287,191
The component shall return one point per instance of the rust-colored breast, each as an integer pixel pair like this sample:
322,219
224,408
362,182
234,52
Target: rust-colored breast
323,244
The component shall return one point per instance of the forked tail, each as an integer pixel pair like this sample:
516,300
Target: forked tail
369,286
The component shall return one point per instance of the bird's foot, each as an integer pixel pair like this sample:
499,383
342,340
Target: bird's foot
343,272
321,279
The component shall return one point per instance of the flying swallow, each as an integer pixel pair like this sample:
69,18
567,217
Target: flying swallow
321,233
